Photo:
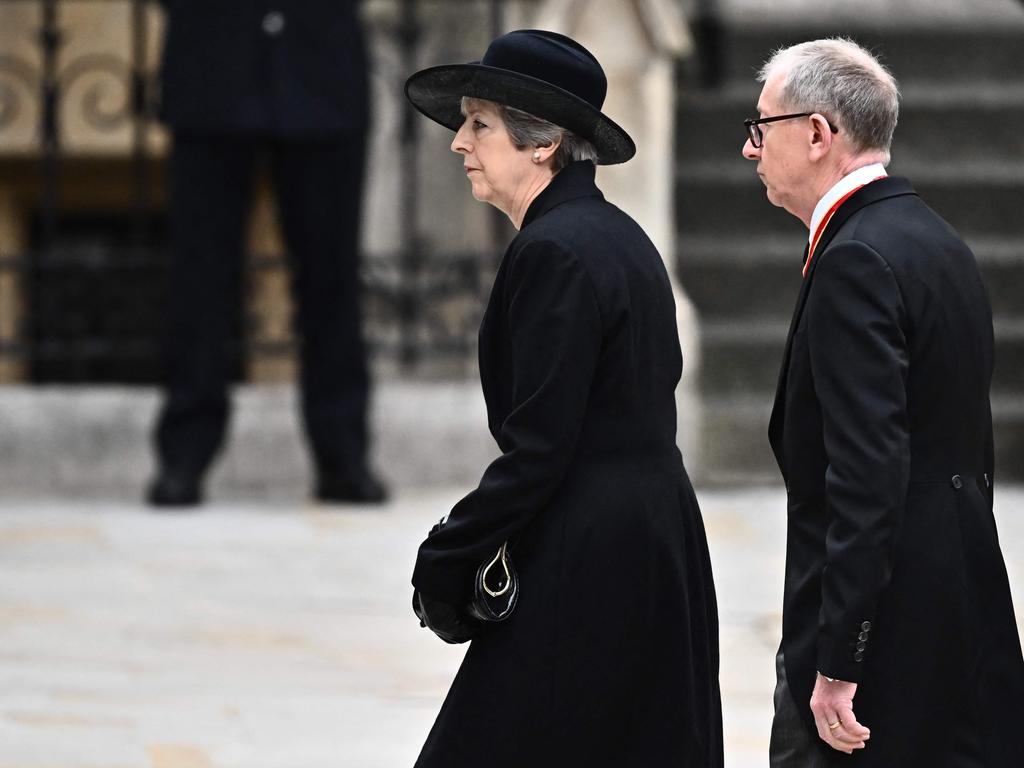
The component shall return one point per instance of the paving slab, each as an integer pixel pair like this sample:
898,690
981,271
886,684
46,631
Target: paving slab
263,635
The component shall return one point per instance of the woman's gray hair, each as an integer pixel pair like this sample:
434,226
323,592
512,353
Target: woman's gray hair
528,130
845,83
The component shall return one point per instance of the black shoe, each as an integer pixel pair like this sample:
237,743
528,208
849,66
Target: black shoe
354,488
175,489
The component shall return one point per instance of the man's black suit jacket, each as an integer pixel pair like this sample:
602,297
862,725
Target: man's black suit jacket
883,431
292,69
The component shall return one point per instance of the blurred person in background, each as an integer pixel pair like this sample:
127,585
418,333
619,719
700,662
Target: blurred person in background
611,656
285,83
899,642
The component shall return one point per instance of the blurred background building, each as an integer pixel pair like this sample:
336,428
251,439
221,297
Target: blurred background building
83,194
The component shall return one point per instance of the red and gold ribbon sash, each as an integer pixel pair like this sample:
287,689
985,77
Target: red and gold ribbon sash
826,219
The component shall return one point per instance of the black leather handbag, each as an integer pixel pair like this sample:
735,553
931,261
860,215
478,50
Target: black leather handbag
495,594
495,588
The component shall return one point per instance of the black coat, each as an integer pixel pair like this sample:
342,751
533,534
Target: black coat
883,430
611,658
289,69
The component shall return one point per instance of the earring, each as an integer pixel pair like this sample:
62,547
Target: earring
536,157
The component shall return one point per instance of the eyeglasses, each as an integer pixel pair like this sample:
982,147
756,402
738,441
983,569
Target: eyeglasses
757,135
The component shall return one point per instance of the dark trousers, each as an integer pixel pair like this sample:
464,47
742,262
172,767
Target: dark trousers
318,187
792,745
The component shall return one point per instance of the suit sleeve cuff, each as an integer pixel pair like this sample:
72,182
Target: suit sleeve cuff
841,659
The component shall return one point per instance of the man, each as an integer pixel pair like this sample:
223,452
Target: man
899,643
244,82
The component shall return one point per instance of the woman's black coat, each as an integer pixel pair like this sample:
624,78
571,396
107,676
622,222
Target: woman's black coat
611,658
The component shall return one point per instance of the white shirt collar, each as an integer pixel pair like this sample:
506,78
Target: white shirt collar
849,182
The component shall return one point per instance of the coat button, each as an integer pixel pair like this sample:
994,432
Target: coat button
861,645
866,626
858,656
862,636
957,482
273,23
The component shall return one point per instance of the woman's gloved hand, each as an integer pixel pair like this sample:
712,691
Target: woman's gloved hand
447,621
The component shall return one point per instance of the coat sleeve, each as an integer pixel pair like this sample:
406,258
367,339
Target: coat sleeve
555,329
859,364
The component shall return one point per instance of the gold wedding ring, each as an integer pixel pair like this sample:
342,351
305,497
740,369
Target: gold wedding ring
836,724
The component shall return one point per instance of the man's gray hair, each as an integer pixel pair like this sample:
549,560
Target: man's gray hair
528,130
845,83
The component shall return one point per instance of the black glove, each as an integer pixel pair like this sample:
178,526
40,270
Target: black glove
447,621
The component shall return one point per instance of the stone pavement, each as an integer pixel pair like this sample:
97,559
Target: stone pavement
263,635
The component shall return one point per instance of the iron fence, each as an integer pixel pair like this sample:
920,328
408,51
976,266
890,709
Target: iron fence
90,286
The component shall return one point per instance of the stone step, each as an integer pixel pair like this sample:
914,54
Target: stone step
1008,424
971,123
958,64
944,53
742,277
96,441
898,14
739,356
734,447
716,199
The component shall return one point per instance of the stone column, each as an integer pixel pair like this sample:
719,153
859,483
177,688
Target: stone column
638,43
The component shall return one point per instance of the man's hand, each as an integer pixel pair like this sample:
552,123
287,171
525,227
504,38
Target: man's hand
832,705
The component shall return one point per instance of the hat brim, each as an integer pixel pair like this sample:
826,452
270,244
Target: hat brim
437,92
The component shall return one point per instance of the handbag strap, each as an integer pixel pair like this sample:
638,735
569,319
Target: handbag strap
502,557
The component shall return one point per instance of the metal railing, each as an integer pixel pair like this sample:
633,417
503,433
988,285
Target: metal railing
91,304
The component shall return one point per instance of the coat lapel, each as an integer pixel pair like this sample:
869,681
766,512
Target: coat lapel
883,189
775,423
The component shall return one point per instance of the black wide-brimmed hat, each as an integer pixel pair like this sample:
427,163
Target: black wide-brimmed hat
546,74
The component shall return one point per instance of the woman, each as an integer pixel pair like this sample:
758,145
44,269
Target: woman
611,656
